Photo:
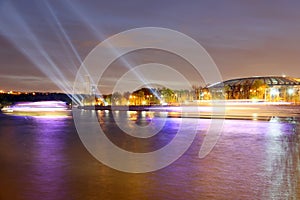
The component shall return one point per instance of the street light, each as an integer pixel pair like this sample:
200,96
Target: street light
274,92
291,91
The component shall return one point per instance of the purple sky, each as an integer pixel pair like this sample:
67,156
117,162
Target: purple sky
44,42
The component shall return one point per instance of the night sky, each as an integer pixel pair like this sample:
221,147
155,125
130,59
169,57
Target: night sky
44,42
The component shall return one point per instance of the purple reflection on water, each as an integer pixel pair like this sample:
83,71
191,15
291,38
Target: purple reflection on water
48,172
44,159
34,157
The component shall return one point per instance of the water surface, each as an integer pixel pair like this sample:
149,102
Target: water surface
43,158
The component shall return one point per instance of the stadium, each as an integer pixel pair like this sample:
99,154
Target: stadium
267,88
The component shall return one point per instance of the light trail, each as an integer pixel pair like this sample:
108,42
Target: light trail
31,46
18,28
98,34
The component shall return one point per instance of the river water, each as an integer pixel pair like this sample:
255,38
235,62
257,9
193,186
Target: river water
43,158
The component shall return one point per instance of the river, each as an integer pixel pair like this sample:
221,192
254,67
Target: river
44,158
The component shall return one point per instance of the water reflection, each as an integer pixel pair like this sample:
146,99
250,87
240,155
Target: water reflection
49,157
264,157
44,158
282,158
39,149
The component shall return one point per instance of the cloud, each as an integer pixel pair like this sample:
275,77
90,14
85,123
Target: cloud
23,78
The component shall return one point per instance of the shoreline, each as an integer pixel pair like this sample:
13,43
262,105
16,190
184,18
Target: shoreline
241,112
260,112
168,107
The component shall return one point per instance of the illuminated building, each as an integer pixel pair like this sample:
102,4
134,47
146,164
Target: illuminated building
268,88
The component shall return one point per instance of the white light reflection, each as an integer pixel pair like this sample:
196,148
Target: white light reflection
280,151
40,108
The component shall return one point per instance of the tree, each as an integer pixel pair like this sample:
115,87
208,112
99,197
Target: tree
236,91
116,98
126,95
257,89
197,91
228,92
167,95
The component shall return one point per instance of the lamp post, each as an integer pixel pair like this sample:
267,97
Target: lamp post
147,99
290,94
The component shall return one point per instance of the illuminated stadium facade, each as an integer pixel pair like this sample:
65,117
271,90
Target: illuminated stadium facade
269,88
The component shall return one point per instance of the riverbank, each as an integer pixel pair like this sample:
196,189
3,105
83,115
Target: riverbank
245,111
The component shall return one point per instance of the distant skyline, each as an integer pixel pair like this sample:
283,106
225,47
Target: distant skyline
44,42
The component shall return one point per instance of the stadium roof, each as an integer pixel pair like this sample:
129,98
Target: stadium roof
269,80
